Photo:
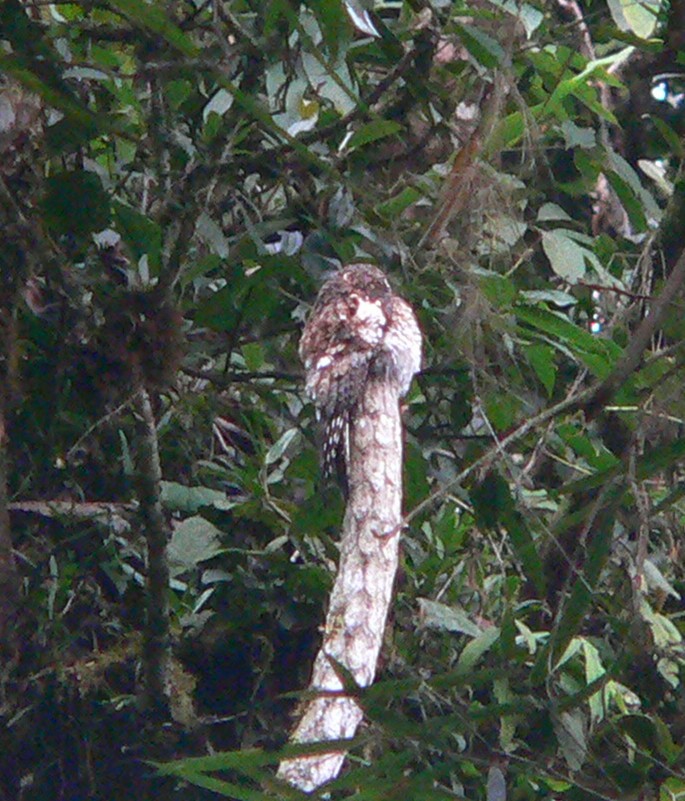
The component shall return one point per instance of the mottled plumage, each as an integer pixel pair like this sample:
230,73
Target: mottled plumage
358,329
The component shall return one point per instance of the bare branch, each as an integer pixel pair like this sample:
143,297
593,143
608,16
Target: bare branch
363,588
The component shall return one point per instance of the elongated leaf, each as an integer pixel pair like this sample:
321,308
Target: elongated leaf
248,760
179,497
334,23
371,132
582,589
672,789
494,508
440,616
541,358
193,541
223,788
395,206
571,85
566,257
598,354
277,450
141,234
153,18
476,648
486,50
639,17
594,670
628,200
76,204
670,136
571,733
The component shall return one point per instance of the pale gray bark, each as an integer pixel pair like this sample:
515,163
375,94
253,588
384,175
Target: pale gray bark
363,588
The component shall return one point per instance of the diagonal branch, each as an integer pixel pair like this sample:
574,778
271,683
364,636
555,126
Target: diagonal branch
591,400
632,356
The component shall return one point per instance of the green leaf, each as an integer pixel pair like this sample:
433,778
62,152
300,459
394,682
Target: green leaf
491,501
577,136
501,410
152,17
245,760
598,354
334,23
576,83
554,296
657,581
208,264
447,618
566,257
392,208
541,358
639,17
529,16
621,168
593,671
670,136
494,507
371,132
76,204
279,447
672,789
582,590
500,291
641,729
126,458
509,131
248,294
253,353
69,134
180,498
178,92
661,457
476,648
504,695
332,80
193,541
142,235
550,211
629,201
486,50
211,234
223,788
571,733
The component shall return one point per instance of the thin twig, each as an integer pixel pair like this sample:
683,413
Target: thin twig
591,401
569,404
226,379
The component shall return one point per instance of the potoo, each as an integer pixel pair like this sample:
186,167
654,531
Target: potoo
358,331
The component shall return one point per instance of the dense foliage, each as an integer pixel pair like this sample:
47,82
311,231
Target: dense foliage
175,180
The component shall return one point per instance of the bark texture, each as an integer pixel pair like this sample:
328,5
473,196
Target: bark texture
363,588
157,641
9,578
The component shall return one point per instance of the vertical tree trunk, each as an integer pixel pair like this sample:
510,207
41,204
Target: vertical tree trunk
363,588
157,645
9,578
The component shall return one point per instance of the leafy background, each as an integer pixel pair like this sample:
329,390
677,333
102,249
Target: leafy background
177,179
